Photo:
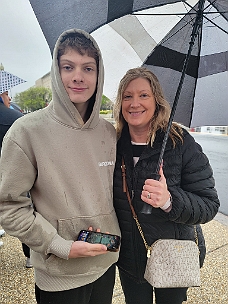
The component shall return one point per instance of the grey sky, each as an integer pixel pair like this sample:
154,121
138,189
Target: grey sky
24,51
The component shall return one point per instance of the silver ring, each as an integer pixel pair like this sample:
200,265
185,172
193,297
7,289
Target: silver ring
148,195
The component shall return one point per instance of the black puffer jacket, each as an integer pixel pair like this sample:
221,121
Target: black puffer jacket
7,118
190,182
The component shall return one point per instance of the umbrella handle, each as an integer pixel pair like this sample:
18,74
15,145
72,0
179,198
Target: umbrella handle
147,209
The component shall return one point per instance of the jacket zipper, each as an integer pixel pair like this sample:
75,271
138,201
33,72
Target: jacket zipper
139,270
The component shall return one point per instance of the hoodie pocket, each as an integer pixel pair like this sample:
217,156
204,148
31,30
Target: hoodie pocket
69,229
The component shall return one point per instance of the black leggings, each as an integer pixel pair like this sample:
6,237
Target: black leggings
136,293
98,292
26,250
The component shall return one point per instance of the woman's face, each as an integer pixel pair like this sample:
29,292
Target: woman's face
138,105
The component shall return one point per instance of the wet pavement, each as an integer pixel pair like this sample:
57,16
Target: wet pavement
17,282
216,149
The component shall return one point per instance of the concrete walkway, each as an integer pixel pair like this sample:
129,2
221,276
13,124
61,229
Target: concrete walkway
17,282
214,273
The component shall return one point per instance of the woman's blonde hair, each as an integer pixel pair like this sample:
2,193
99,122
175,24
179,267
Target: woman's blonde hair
162,112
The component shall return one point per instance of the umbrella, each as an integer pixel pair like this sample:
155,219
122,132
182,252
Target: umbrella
8,80
128,33
186,49
203,97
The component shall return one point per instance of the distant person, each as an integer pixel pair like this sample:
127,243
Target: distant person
5,99
7,115
7,118
26,251
184,196
64,156
2,233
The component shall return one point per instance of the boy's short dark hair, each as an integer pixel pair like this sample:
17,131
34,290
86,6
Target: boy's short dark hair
80,44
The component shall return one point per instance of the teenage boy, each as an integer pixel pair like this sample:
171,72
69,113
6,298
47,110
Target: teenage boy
64,156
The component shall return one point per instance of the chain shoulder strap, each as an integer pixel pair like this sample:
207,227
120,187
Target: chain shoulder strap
125,189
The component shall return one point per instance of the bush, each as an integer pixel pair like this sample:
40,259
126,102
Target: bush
104,111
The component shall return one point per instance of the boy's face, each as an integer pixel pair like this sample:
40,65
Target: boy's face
79,76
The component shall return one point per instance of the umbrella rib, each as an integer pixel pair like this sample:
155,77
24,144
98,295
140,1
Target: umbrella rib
210,4
185,14
195,32
217,26
217,13
147,209
187,23
174,14
163,14
205,13
188,13
209,20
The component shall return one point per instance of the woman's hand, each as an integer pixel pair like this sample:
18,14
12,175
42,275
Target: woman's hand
155,193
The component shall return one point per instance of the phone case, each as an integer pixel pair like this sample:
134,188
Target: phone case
112,242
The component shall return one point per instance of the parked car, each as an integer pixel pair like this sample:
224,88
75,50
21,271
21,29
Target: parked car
15,106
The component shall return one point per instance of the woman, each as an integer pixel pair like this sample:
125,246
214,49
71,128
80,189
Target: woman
184,195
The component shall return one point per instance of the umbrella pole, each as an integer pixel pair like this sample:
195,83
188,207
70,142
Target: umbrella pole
147,209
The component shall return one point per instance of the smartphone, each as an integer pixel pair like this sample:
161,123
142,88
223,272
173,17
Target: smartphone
112,242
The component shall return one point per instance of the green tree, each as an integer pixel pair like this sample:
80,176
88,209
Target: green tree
33,99
106,103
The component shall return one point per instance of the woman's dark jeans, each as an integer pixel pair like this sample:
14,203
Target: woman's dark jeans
137,293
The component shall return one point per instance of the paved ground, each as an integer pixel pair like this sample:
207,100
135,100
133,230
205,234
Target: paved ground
17,283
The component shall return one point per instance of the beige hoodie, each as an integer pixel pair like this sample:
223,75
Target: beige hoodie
67,166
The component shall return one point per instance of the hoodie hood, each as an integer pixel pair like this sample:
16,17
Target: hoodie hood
61,106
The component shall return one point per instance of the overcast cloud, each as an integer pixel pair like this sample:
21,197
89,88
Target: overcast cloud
24,51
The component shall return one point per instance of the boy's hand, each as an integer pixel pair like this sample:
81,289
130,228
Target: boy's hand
80,249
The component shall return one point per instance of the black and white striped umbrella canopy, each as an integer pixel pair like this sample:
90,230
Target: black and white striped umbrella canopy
157,34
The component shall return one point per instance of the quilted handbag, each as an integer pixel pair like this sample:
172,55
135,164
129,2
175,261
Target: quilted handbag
173,263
